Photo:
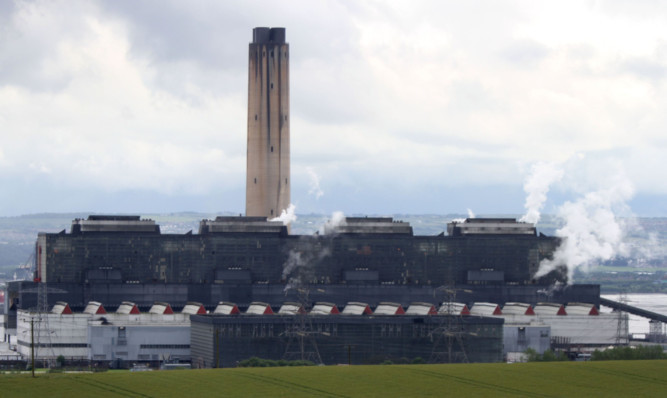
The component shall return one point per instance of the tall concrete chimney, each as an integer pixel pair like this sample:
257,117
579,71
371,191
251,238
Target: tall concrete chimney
268,170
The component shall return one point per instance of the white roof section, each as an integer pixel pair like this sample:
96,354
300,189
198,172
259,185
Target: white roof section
259,308
193,308
452,308
581,309
549,309
387,308
357,308
225,308
161,308
94,308
485,309
322,308
518,309
421,309
291,308
127,307
61,307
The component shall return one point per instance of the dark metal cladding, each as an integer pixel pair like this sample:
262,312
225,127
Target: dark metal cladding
222,341
261,35
245,259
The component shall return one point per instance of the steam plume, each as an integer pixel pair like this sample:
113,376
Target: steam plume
537,184
287,216
337,220
314,188
591,231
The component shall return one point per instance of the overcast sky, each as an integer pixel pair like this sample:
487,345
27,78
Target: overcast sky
396,107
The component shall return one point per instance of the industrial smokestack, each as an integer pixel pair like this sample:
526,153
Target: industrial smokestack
268,168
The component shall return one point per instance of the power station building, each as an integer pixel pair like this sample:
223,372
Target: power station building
115,259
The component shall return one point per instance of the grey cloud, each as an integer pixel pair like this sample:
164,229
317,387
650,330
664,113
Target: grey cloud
525,53
29,50
644,68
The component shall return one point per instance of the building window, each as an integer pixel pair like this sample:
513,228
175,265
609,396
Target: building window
271,86
122,339
255,117
271,149
255,180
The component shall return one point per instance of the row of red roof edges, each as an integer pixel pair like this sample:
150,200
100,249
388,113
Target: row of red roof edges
96,308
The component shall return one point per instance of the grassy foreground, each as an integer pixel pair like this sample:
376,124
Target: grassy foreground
555,379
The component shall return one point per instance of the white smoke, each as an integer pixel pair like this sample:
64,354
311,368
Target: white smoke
298,269
314,188
330,226
542,175
287,216
591,231
462,220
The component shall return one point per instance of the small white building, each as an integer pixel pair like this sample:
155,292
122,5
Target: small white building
101,336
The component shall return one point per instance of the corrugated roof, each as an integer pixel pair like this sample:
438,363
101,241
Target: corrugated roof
61,308
421,309
550,309
127,307
387,308
356,308
225,308
258,308
291,308
450,308
518,309
193,308
485,309
161,308
581,309
94,308
323,308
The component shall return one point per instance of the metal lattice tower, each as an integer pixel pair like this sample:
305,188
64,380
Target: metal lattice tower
449,334
43,338
622,322
300,335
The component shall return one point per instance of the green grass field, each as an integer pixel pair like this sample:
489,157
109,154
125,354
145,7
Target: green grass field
555,379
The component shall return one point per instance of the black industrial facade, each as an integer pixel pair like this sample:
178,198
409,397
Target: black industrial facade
223,340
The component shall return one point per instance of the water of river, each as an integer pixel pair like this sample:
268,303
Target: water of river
647,301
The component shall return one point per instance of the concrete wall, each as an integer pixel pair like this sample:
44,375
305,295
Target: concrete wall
139,343
518,338
105,337
54,335
268,159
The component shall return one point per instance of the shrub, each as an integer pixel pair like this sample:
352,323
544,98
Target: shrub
548,356
629,353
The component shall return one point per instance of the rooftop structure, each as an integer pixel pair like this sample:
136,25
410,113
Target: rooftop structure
291,308
490,226
357,308
452,308
421,309
258,308
324,309
387,308
224,308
